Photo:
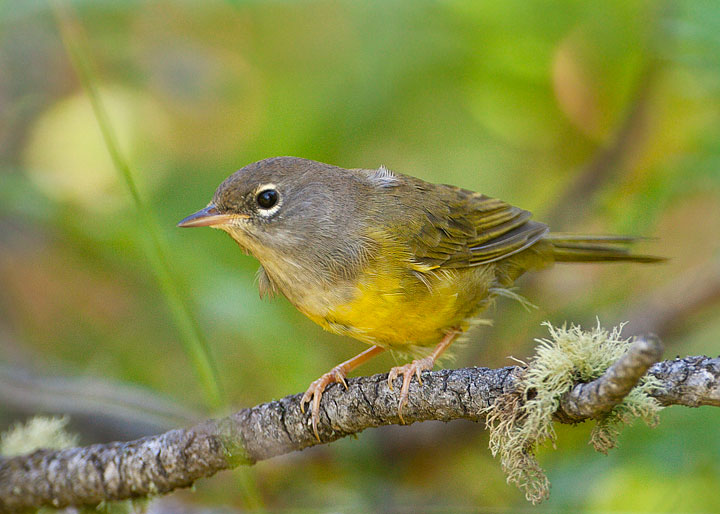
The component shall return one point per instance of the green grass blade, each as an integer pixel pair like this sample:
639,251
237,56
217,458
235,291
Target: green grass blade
192,339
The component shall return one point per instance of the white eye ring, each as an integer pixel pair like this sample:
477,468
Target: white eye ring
260,197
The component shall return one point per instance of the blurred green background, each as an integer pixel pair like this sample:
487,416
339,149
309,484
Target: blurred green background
599,117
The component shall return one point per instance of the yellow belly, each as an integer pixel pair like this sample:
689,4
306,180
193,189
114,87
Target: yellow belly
399,308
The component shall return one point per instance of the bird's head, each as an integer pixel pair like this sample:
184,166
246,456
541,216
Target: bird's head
289,208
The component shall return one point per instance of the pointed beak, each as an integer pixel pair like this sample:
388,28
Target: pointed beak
207,217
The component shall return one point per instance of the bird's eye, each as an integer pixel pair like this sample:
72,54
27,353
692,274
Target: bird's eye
267,199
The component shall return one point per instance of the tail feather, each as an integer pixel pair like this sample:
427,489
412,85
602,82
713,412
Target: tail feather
586,248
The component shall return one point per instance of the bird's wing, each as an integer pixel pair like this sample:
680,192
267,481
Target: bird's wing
464,228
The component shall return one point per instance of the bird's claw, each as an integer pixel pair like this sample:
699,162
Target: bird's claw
416,368
315,391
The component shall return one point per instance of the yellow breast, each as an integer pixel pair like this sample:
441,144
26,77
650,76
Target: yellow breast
398,306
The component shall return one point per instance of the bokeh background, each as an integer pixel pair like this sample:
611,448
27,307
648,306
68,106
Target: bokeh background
599,117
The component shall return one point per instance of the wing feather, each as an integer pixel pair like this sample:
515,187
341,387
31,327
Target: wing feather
465,229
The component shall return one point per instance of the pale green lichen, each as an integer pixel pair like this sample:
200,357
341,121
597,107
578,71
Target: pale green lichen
38,432
522,420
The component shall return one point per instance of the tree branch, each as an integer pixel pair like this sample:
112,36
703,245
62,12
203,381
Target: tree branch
158,464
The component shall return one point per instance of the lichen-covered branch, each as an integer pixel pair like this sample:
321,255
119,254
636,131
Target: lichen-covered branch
157,464
592,399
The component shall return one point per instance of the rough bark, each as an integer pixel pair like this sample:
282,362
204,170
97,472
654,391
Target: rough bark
158,464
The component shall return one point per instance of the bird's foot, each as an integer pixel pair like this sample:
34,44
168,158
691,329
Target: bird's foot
315,391
416,367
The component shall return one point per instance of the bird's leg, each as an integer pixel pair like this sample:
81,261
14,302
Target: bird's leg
337,374
416,367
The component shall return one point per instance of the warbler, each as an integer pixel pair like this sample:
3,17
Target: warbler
389,259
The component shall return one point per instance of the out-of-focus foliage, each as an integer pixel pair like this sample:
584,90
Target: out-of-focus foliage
528,101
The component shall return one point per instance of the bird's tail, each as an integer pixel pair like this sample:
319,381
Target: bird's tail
582,248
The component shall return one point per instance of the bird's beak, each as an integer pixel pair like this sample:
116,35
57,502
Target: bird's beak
207,217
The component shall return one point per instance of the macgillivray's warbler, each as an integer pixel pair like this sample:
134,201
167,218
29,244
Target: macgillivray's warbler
389,259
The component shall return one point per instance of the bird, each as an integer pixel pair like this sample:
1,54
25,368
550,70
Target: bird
391,260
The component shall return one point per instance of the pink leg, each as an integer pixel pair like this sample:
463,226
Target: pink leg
416,367
337,374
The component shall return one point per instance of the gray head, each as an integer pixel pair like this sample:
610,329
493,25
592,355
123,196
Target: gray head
294,212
